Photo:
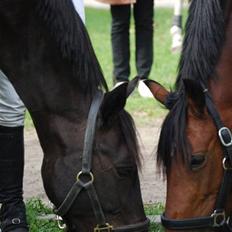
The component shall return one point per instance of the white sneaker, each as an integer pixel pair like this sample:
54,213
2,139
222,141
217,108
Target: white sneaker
144,91
177,39
116,85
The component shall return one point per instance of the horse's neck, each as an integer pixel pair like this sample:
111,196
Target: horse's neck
221,86
33,62
44,80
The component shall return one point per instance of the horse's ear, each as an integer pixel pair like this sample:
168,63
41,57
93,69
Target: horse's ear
115,100
195,93
158,91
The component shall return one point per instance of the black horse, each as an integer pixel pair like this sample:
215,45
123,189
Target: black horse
47,55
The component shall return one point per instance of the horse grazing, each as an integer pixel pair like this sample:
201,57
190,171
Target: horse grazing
90,149
195,146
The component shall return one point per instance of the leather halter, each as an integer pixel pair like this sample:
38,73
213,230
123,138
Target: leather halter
85,180
218,219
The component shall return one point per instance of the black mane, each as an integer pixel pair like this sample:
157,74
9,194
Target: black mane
203,42
73,40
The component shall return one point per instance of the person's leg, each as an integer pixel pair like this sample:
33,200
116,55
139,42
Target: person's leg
143,14
176,29
120,41
12,110
79,6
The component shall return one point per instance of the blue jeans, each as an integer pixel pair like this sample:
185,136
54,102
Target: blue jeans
143,12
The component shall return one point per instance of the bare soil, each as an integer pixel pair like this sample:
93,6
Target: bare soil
153,187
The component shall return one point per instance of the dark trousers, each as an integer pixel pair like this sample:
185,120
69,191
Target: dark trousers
143,15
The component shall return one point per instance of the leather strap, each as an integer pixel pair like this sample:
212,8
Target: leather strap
86,157
187,224
85,178
138,227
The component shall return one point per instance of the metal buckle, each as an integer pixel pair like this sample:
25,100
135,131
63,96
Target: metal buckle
89,176
60,222
226,164
220,133
219,218
16,221
103,228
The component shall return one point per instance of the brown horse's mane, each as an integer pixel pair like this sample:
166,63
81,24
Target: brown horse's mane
203,43
73,40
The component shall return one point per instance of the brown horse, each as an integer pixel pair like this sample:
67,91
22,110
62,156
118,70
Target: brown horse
195,146
47,55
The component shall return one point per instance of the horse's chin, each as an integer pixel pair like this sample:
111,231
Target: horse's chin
80,225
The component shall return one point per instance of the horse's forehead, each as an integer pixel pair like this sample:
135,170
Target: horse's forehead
201,132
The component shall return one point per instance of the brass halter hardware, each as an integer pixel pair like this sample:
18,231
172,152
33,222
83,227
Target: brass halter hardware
89,175
219,218
105,228
60,222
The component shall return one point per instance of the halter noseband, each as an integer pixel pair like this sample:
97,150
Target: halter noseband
85,180
218,219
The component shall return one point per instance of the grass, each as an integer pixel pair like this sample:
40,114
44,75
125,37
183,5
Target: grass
154,209
164,67
36,207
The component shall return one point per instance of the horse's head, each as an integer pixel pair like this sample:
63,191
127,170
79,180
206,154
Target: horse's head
104,146
60,87
194,146
194,160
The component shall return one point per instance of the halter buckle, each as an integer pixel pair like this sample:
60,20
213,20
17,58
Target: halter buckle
103,228
225,135
219,218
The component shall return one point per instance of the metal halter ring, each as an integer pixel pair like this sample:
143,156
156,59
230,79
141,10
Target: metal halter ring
16,221
219,218
60,222
89,176
104,228
226,164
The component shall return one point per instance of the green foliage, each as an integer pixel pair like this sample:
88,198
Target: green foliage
35,208
154,209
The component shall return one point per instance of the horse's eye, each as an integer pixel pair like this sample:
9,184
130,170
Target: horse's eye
198,161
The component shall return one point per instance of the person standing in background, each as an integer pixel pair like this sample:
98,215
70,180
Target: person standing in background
176,29
12,112
143,12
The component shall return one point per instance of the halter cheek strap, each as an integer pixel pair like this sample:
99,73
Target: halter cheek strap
85,180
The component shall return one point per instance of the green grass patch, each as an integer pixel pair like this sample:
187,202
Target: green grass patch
154,209
165,63
36,208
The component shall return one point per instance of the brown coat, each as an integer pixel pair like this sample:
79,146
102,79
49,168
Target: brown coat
117,2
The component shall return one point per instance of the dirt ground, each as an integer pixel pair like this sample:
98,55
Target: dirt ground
153,187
